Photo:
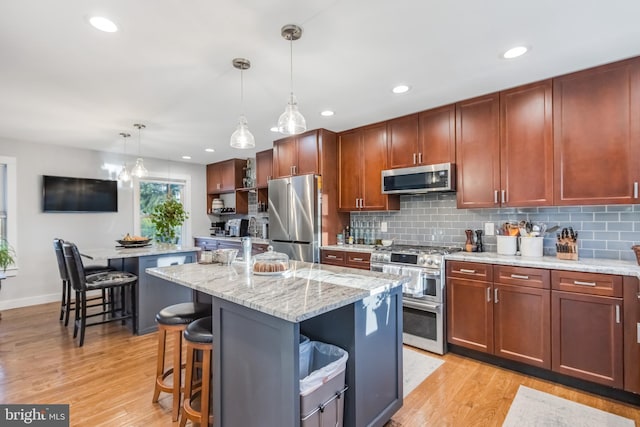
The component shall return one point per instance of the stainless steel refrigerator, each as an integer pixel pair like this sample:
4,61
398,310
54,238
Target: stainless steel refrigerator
294,216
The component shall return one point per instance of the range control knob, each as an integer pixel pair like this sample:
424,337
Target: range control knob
437,261
429,261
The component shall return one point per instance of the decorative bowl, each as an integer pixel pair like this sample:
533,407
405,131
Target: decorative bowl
134,243
225,256
387,242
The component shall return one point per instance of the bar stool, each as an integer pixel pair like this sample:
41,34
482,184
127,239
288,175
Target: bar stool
173,320
196,407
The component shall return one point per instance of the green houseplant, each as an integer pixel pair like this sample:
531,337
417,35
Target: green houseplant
166,218
7,255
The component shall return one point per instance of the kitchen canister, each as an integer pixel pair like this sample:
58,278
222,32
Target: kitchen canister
507,245
531,246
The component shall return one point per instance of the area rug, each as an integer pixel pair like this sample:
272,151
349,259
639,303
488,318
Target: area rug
533,408
416,367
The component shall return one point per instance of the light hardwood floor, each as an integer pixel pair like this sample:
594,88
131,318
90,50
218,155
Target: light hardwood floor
109,381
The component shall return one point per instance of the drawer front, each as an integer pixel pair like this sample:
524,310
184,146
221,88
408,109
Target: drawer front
206,244
587,283
470,270
358,260
332,257
258,248
522,276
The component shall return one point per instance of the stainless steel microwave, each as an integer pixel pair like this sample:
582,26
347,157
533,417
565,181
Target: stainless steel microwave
419,179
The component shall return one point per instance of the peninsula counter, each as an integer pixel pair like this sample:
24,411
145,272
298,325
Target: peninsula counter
257,322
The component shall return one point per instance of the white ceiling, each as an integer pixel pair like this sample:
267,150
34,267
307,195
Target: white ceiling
169,67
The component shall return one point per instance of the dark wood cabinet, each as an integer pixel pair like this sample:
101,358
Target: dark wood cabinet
297,154
362,155
332,257
526,145
264,168
359,260
631,334
403,141
587,334
225,176
478,152
597,135
352,259
500,310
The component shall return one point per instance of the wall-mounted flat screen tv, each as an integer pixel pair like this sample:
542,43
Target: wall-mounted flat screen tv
66,194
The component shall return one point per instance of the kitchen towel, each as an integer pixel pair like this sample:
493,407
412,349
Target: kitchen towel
533,408
416,367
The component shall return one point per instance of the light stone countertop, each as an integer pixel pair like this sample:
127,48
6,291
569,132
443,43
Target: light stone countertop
350,248
102,254
256,240
307,290
587,265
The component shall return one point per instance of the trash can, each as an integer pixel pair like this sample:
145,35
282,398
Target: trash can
305,353
322,389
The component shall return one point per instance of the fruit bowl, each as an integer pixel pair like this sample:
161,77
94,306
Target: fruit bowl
132,242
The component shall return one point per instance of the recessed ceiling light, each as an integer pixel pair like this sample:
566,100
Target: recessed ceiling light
103,24
274,129
515,52
186,157
327,113
209,150
400,89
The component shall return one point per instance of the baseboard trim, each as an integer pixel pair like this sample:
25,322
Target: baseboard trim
26,302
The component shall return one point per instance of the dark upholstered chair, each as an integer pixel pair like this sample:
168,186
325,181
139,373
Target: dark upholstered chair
113,281
173,320
197,396
67,303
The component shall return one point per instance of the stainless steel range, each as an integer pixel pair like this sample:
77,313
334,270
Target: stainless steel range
423,310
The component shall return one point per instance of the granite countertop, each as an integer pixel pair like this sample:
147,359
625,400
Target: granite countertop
305,291
588,265
350,248
256,240
154,249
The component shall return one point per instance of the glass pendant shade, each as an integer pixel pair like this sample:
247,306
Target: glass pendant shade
139,170
291,122
124,174
242,137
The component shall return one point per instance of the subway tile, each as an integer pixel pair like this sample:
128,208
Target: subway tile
609,216
619,208
527,210
562,218
606,254
606,235
577,217
587,235
619,245
628,256
569,209
594,208
596,226
619,226
549,209
594,244
585,253
630,216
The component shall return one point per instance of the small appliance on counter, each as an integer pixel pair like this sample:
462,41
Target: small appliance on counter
233,227
218,228
244,228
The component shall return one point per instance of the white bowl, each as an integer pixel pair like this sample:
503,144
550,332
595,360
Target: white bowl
387,242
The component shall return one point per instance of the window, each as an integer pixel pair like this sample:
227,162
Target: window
148,192
8,206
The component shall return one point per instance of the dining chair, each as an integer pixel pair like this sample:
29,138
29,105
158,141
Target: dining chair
117,282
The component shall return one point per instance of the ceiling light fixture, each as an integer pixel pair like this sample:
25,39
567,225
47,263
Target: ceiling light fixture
186,157
515,52
400,89
327,113
242,138
103,24
209,150
124,174
291,122
274,129
139,170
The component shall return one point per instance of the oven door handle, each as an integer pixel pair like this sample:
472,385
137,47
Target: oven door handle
421,305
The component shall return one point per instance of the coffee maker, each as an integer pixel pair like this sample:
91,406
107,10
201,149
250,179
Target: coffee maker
232,227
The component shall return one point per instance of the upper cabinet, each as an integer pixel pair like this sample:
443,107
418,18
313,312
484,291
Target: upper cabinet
597,135
504,148
226,176
362,155
264,168
297,154
426,138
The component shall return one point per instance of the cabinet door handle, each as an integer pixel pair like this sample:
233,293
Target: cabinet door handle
495,197
638,332
414,158
464,270
357,259
332,257
578,282
362,203
488,294
519,276
420,158
635,190
295,170
617,313
504,196
495,296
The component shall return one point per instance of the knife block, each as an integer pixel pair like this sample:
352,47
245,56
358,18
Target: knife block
573,255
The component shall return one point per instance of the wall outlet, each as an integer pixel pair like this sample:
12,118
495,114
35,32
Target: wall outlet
489,229
383,227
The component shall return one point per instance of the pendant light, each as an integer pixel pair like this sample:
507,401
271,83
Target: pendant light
291,122
242,138
139,170
124,174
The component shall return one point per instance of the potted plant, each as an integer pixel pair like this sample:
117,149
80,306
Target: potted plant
167,217
7,255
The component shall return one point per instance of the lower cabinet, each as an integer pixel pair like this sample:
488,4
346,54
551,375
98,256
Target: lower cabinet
351,259
211,244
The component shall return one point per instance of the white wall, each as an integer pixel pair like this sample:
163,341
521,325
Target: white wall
38,280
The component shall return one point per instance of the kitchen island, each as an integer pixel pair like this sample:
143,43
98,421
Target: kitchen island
153,294
257,322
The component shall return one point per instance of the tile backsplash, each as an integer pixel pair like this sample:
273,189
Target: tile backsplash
433,219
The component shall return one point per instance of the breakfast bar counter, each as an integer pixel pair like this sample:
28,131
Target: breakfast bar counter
257,322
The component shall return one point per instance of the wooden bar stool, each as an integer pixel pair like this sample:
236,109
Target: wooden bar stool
173,320
197,397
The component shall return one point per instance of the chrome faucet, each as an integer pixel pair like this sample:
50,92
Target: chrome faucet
253,227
